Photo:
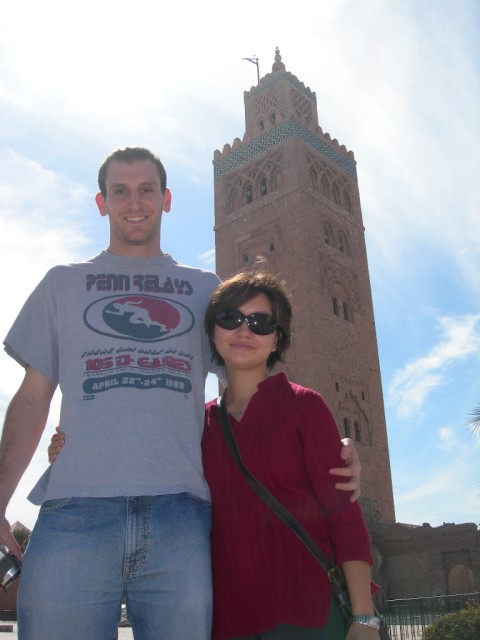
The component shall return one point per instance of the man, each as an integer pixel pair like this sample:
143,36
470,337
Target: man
122,335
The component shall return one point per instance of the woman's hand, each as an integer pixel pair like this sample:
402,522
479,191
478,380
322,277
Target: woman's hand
56,444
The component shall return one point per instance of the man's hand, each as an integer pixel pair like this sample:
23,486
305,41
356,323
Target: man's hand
352,470
56,443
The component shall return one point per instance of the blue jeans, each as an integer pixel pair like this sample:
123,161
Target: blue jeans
85,554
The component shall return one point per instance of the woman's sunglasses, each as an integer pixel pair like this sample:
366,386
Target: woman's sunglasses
262,324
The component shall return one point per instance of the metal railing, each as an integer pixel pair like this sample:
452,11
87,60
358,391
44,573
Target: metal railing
407,618
8,615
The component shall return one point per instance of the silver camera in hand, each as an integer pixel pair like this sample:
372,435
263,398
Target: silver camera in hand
10,567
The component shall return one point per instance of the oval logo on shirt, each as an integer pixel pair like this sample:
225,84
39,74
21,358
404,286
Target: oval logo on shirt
138,317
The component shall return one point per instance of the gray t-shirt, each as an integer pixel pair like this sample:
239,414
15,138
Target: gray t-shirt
124,339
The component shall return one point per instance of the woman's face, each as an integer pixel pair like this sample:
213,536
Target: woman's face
240,348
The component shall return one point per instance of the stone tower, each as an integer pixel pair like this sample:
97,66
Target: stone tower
288,192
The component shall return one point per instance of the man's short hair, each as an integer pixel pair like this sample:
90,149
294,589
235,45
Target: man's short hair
130,155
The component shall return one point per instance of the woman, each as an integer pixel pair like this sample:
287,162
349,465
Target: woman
266,584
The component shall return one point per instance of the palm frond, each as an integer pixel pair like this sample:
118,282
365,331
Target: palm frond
474,420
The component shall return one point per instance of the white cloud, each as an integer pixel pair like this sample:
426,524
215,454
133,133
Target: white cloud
42,217
450,503
208,258
416,136
458,442
447,487
35,206
411,385
447,438
432,487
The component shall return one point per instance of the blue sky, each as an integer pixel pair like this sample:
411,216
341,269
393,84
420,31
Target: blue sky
397,82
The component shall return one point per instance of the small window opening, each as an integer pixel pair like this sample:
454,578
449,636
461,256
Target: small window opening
358,434
335,307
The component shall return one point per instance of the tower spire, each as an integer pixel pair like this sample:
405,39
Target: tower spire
278,64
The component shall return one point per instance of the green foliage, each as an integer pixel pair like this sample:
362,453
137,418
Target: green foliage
463,625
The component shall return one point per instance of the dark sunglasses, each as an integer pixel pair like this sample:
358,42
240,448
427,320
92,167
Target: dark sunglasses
262,324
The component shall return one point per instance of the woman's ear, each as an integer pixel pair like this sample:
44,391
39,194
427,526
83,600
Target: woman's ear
277,339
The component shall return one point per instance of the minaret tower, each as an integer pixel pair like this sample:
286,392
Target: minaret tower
288,192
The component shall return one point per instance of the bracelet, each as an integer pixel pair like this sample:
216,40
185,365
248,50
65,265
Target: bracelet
368,620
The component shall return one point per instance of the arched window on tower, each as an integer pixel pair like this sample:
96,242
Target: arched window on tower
342,243
346,427
358,433
232,201
248,194
276,179
314,178
325,186
336,194
335,307
348,202
346,311
262,183
328,234
273,118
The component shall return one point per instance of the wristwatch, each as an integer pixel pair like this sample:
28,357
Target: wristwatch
368,620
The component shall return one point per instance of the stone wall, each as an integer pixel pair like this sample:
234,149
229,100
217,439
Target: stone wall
419,561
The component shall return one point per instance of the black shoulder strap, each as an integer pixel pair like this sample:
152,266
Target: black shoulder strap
334,572
275,505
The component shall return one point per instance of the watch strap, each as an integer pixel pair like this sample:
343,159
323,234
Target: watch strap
367,619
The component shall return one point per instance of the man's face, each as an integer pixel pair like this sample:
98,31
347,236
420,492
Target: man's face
134,204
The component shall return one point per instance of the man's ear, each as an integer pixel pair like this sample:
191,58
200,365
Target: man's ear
101,204
167,200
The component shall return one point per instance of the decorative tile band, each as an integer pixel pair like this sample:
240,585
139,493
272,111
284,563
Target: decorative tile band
265,141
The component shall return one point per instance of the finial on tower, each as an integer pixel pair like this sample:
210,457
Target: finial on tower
278,64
